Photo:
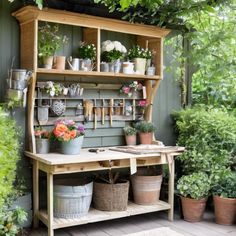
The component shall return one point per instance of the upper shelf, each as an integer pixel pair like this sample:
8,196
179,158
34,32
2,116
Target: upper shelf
30,13
97,74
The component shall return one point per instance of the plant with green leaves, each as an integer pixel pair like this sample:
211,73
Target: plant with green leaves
209,136
226,185
138,52
145,127
87,51
195,186
129,131
50,40
9,157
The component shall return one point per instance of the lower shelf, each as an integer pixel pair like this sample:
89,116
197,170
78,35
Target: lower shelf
96,215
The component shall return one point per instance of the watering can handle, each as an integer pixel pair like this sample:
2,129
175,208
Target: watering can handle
69,60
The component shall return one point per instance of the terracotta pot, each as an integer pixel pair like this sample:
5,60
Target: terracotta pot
146,188
193,209
225,210
130,140
146,138
59,62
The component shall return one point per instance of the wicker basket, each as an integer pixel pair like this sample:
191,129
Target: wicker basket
71,200
111,197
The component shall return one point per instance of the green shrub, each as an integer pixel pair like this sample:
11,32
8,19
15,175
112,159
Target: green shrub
9,155
226,185
209,137
195,186
145,127
128,130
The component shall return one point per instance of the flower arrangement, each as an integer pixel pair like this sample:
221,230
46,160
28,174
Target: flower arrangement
129,131
112,50
41,133
130,88
87,51
142,103
138,52
66,130
53,89
50,40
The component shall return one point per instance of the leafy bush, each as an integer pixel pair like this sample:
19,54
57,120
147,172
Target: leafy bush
209,137
9,156
226,185
195,186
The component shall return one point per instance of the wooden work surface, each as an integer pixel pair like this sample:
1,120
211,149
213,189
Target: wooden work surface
86,156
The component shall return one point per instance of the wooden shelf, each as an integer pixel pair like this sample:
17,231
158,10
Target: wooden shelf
97,74
96,215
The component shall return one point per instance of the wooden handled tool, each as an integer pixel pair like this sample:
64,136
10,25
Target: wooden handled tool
95,118
103,112
111,110
134,109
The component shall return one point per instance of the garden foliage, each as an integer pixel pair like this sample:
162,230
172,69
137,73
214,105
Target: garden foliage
209,137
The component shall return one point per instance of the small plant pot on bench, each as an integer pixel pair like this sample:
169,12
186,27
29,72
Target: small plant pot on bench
71,199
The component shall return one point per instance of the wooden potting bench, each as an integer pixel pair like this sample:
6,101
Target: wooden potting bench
92,29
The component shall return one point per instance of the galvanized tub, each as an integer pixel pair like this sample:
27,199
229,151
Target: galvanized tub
71,199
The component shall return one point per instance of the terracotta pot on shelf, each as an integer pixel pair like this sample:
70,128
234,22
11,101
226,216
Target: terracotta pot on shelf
225,210
193,209
59,62
130,139
145,138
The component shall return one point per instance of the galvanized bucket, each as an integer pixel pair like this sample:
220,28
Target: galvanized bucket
72,147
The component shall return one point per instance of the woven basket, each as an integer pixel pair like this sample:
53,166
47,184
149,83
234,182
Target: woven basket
70,199
111,197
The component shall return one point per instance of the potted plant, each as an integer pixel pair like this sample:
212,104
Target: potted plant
110,194
112,52
224,198
49,41
130,135
139,56
69,135
194,190
87,54
42,140
131,89
145,130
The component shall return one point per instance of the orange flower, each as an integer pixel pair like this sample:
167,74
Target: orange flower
72,134
61,128
66,136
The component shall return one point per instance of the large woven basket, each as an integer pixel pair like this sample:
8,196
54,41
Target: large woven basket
111,197
71,200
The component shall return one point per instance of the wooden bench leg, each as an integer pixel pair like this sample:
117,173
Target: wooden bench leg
171,190
50,203
35,194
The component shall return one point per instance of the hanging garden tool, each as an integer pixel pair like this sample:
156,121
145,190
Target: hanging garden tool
88,109
103,112
95,115
111,110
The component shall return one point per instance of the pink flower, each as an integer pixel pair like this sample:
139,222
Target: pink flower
126,90
142,103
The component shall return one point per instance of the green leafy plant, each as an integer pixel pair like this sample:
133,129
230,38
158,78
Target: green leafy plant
145,127
49,40
87,51
209,136
226,185
195,186
138,52
128,130
9,157
53,88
